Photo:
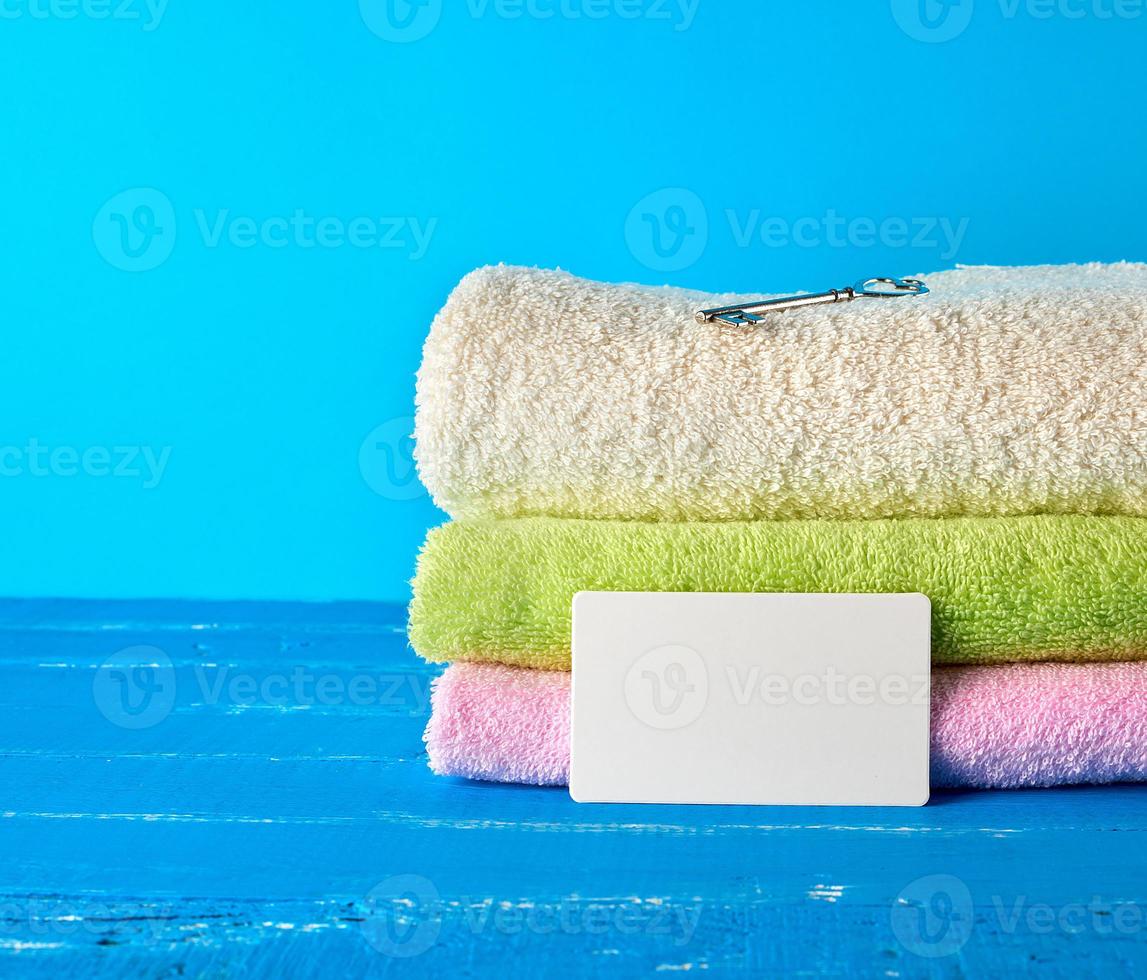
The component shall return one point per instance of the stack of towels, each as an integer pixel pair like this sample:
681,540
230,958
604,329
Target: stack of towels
985,444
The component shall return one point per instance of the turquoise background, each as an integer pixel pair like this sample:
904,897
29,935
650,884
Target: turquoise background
228,226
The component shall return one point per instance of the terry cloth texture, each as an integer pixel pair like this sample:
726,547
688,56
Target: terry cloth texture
1011,726
1004,391
501,723
1002,589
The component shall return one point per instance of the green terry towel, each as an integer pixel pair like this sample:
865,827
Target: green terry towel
1002,589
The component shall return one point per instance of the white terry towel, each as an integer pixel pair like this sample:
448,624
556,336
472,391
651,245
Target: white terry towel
1003,391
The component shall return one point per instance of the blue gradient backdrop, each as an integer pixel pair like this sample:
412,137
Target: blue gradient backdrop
226,227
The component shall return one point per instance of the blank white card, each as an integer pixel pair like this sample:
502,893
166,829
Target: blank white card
766,698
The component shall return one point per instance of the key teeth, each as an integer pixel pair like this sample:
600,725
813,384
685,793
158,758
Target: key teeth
738,319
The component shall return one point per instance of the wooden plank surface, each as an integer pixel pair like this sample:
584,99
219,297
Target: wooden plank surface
212,789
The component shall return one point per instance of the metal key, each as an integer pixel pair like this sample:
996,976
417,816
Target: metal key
748,314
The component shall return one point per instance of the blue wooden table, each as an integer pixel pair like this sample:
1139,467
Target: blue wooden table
205,789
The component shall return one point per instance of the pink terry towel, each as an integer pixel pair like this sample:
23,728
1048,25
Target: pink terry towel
1006,726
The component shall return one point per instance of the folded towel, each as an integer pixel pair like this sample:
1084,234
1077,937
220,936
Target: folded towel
1018,725
1002,589
1004,391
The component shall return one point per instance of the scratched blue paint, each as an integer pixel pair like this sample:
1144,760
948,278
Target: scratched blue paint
266,811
